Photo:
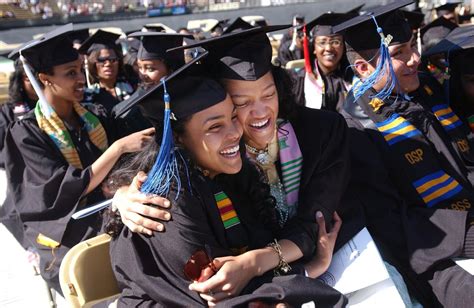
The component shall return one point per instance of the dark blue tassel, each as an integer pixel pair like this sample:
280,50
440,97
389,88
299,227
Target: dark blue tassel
384,66
165,171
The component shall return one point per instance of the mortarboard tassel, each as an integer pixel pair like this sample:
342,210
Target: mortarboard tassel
307,58
34,82
165,169
384,66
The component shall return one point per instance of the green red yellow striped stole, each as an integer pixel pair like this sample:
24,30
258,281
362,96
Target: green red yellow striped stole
471,122
226,209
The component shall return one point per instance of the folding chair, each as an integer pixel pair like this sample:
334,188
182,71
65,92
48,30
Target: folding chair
86,275
291,65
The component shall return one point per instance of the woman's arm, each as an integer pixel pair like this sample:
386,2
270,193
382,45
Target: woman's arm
102,166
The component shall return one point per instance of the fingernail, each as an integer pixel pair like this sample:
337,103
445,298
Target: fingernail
166,203
159,228
319,214
167,216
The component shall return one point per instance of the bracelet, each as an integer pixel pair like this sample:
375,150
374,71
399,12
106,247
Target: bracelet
283,267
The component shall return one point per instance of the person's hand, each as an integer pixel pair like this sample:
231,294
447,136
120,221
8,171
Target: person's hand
325,246
233,274
135,142
130,202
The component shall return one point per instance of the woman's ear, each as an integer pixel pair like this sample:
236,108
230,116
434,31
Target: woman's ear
44,79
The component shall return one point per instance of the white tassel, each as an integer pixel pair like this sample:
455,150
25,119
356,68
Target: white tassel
34,81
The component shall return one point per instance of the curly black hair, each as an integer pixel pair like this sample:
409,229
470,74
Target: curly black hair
16,90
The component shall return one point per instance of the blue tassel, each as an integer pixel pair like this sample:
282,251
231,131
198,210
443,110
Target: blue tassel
165,170
384,65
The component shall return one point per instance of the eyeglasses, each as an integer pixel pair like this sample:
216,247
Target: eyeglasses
102,60
333,43
199,261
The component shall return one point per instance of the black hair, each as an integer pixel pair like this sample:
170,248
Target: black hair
457,96
286,97
16,89
129,165
92,61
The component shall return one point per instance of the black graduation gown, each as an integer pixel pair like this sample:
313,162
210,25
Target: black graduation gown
8,114
44,190
285,55
149,270
418,240
323,140
334,89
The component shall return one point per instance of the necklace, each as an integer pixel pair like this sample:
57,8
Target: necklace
262,156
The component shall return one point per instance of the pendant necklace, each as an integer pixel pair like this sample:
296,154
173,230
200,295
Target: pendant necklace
262,156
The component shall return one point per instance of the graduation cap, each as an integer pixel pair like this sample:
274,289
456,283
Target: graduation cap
356,10
240,55
79,36
435,31
460,38
98,41
153,28
221,24
237,24
361,32
323,25
447,8
52,49
463,18
415,19
377,29
154,45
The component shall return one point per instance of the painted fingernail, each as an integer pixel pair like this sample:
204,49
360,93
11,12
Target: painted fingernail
319,214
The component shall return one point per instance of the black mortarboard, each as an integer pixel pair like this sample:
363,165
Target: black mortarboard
193,67
435,31
154,45
415,19
222,24
98,41
237,24
79,36
154,28
462,61
52,49
356,10
459,38
463,18
242,55
323,25
447,7
360,32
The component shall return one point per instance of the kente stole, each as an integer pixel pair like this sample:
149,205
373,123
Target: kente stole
436,187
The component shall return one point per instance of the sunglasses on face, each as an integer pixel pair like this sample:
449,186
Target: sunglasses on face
332,43
197,265
103,60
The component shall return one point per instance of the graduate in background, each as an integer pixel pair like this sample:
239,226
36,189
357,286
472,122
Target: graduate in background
326,79
448,11
219,209
58,154
21,99
432,34
412,160
104,65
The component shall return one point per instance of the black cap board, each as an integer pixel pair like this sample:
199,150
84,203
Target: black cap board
154,28
360,32
99,40
79,36
461,63
415,19
220,25
435,31
237,24
193,67
459,38
154,45
52,49
356,10
447,7
240,55
323,25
